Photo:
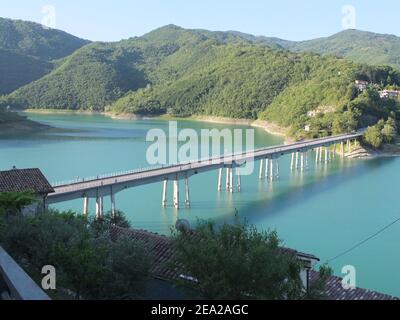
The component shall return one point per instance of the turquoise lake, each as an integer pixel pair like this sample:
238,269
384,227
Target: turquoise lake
324,211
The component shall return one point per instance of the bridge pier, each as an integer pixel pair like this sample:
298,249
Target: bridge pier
261,169
348,146
266,168
239,180
227,178
220,180
230,183
176,193
306,156
164,194
86,206
113,209
342,150
302,161
320,154
187,199
297,160
231,180
272,170
292,162
99,207
326,155
274,174
316,155
277,168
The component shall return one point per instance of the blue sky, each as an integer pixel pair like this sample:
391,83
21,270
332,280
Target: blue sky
288,19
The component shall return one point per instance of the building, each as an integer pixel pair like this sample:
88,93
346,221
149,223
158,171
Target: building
163,253
361,85
386,94
21,180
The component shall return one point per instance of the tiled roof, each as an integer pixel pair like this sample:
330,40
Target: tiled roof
335,291
20,180
163,253
161,247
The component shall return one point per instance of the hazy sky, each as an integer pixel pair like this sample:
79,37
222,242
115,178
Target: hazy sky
288,19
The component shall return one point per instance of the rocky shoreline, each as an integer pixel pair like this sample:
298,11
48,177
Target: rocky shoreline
362,152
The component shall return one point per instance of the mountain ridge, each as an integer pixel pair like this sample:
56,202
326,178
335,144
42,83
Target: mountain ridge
186,72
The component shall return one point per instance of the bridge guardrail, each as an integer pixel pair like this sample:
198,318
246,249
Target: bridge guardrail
68,185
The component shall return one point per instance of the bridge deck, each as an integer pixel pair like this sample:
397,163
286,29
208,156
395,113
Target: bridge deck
79,188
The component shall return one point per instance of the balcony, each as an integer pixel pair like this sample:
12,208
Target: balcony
15,284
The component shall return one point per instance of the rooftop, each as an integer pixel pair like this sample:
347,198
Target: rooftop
163,254
20,180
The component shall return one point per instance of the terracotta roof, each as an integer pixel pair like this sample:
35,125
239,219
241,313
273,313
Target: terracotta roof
163,254
161,247
20,180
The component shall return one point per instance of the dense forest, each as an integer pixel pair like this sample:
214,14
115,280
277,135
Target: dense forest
184,72
359,46
15,124
28,51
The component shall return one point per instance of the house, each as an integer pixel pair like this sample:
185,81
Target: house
386,94
361,84
164,275
307,128
21,180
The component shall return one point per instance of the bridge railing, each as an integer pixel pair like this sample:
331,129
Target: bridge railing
211,160
19,286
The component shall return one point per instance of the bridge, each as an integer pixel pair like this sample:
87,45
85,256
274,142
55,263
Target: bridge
109,185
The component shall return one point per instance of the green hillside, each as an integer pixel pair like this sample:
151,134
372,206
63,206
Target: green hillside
27,51
197,72
360,46
17,70
13,124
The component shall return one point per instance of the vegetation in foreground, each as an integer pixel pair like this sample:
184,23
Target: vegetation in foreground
236,261
230,262
89,263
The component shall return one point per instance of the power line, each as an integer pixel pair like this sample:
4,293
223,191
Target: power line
364,241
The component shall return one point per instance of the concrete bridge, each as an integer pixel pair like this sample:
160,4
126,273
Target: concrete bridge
109,185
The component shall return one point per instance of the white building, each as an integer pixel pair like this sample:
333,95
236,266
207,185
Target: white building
361,84
385,94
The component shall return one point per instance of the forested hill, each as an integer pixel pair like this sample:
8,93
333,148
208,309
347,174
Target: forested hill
12,123
27,49
197,72
360,46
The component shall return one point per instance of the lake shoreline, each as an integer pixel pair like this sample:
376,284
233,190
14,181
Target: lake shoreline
269,127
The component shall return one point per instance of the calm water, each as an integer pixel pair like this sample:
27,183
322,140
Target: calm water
324,211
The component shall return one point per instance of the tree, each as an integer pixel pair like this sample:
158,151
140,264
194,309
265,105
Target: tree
389,131
238,262
81,264
104,224
128,265
373,136
11,203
